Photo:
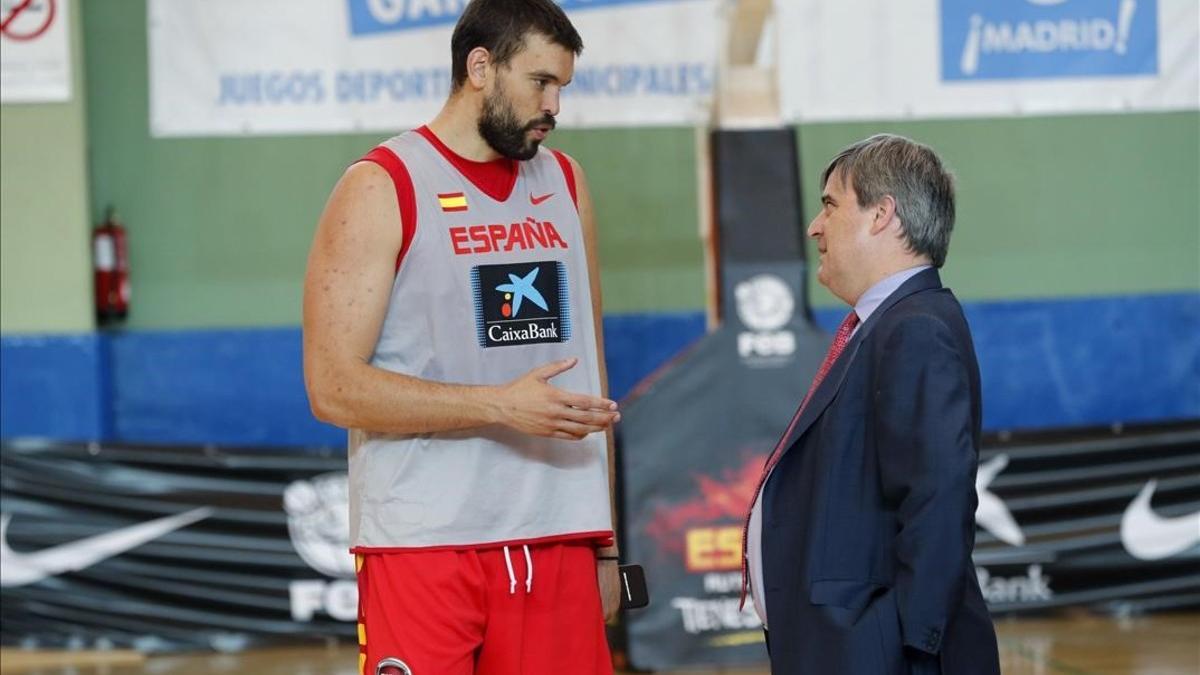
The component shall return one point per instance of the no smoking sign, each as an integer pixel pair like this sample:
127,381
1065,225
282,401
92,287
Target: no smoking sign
35,53
25,20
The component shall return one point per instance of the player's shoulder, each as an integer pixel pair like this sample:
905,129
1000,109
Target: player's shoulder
386,163
364,176
370,185
571,168
566,160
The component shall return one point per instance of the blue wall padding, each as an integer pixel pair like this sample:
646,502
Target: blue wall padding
1084,362
53,386
224,387
636,344
1055,363
1088,361
246,387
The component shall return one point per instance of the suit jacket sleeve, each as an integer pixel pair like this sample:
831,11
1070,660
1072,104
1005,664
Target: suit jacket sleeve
925,435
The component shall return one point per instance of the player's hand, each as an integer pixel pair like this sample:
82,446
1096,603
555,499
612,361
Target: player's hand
610,588
532,405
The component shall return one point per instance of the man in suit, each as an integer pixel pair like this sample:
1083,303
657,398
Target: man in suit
860,535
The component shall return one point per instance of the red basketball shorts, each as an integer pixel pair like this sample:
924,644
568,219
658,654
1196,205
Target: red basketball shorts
515,610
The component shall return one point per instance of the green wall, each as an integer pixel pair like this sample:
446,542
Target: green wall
1048,207
220,228
643,183
45,257
1055,206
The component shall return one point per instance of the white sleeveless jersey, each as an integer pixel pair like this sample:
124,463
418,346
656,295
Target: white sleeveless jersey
486,291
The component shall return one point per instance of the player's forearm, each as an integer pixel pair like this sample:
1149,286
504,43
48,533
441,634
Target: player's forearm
373,399
612,550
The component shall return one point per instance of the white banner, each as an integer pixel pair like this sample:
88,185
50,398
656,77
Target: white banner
231,67
881,59
35,52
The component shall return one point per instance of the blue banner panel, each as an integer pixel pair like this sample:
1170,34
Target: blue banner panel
386,16
1039,39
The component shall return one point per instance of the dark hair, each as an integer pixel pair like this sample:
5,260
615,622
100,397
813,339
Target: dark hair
501,26
914,176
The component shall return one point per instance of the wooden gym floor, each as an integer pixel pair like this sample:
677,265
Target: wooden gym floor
1166,644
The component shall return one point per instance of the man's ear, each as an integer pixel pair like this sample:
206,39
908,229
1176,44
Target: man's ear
478,61
885,214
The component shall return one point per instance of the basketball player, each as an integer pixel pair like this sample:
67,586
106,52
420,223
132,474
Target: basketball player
452,322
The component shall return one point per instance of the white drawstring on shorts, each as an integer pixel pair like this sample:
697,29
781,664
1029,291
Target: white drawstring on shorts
512,577
528,570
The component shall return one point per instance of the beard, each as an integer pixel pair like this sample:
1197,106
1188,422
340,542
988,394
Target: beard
500,128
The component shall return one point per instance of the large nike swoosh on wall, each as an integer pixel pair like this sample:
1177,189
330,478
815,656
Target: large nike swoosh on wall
20,569
991,514
1148,536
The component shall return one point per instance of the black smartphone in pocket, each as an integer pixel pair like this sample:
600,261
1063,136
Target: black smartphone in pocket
633,587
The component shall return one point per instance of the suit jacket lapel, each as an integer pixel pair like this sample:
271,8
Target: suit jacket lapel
922,281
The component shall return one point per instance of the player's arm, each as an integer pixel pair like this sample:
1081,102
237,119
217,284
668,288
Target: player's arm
347,288
607,575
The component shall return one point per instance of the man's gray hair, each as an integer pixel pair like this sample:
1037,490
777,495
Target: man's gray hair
914,176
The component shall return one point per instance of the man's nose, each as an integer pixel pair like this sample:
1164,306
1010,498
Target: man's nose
816,227
550,102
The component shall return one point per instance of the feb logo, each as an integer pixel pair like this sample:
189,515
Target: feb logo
765,305
319,526
764,302
521,304
318,523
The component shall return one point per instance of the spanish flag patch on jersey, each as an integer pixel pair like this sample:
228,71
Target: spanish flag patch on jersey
452,201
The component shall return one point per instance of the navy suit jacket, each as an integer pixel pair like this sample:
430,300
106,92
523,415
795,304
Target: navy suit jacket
869,516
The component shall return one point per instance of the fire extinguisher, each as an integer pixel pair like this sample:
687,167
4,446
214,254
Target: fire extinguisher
110,262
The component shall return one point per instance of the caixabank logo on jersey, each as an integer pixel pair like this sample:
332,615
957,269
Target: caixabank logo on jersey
1038,39
521,304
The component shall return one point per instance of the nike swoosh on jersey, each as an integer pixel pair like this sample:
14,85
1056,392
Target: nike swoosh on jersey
538,200
1149,536
20,569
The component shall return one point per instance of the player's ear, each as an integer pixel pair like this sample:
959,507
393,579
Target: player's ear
478,60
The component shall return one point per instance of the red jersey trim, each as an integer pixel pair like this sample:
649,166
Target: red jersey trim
569,174
495,178
406,196
601,537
